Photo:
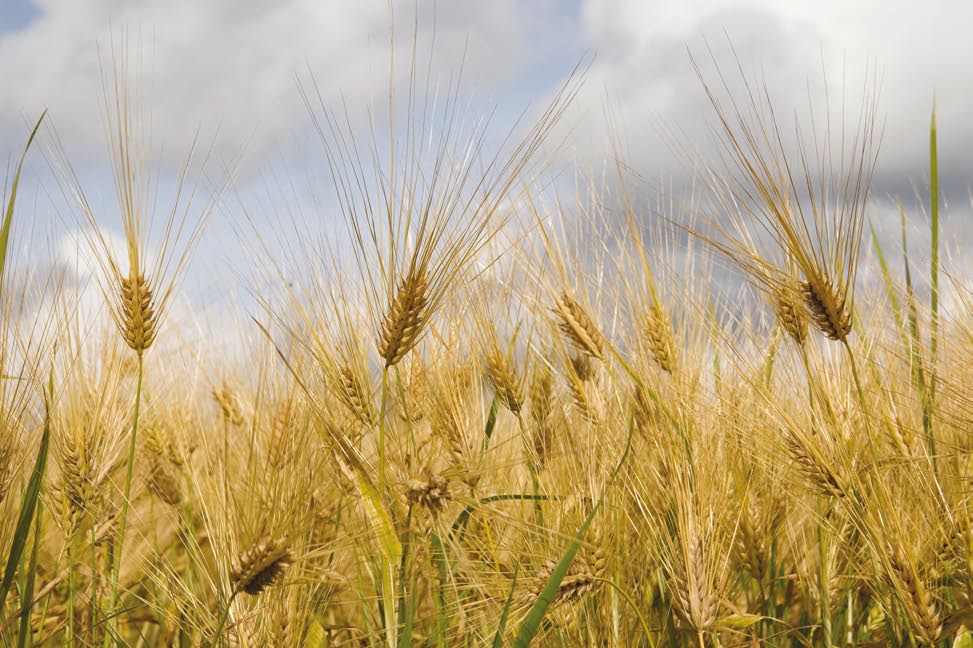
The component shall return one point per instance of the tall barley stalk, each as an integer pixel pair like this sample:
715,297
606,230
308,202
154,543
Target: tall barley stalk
138,296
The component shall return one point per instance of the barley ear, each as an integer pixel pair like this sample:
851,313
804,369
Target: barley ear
658,332
790,313
504,380
260,566
828,307
138,313
405,318
917,600
578,327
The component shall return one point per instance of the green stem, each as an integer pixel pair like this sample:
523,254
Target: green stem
69,631
635,608
934,292
117,558
223,618
532,469
861,394
823,581
381,431
387,567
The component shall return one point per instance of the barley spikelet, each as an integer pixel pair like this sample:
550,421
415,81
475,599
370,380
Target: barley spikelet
356,396
759,525
155,437
281,434
104,529
903,438
583,576
405,318
828,308
648,417
791,313
432,492
583,367
229,405
586,397
541,393
576,583
260,566
163,483
658,333
541,405
917,601
75,493
600,555
690,585
412,401
138,313
504,380
285,623
578,327
817,467
448,426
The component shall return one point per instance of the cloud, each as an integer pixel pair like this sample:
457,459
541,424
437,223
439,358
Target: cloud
233,64
915,49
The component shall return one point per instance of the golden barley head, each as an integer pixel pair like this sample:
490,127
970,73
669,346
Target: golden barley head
828,307
578,327
405,318
505,382
260,566
137,313
658,333
790,312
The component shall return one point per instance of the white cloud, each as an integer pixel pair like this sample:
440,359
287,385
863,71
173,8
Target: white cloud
232,64
916,48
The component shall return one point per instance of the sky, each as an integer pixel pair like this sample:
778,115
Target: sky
230,73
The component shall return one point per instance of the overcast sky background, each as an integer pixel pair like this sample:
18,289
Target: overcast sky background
230,69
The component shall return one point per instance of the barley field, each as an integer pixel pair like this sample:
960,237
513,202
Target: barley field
486,412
